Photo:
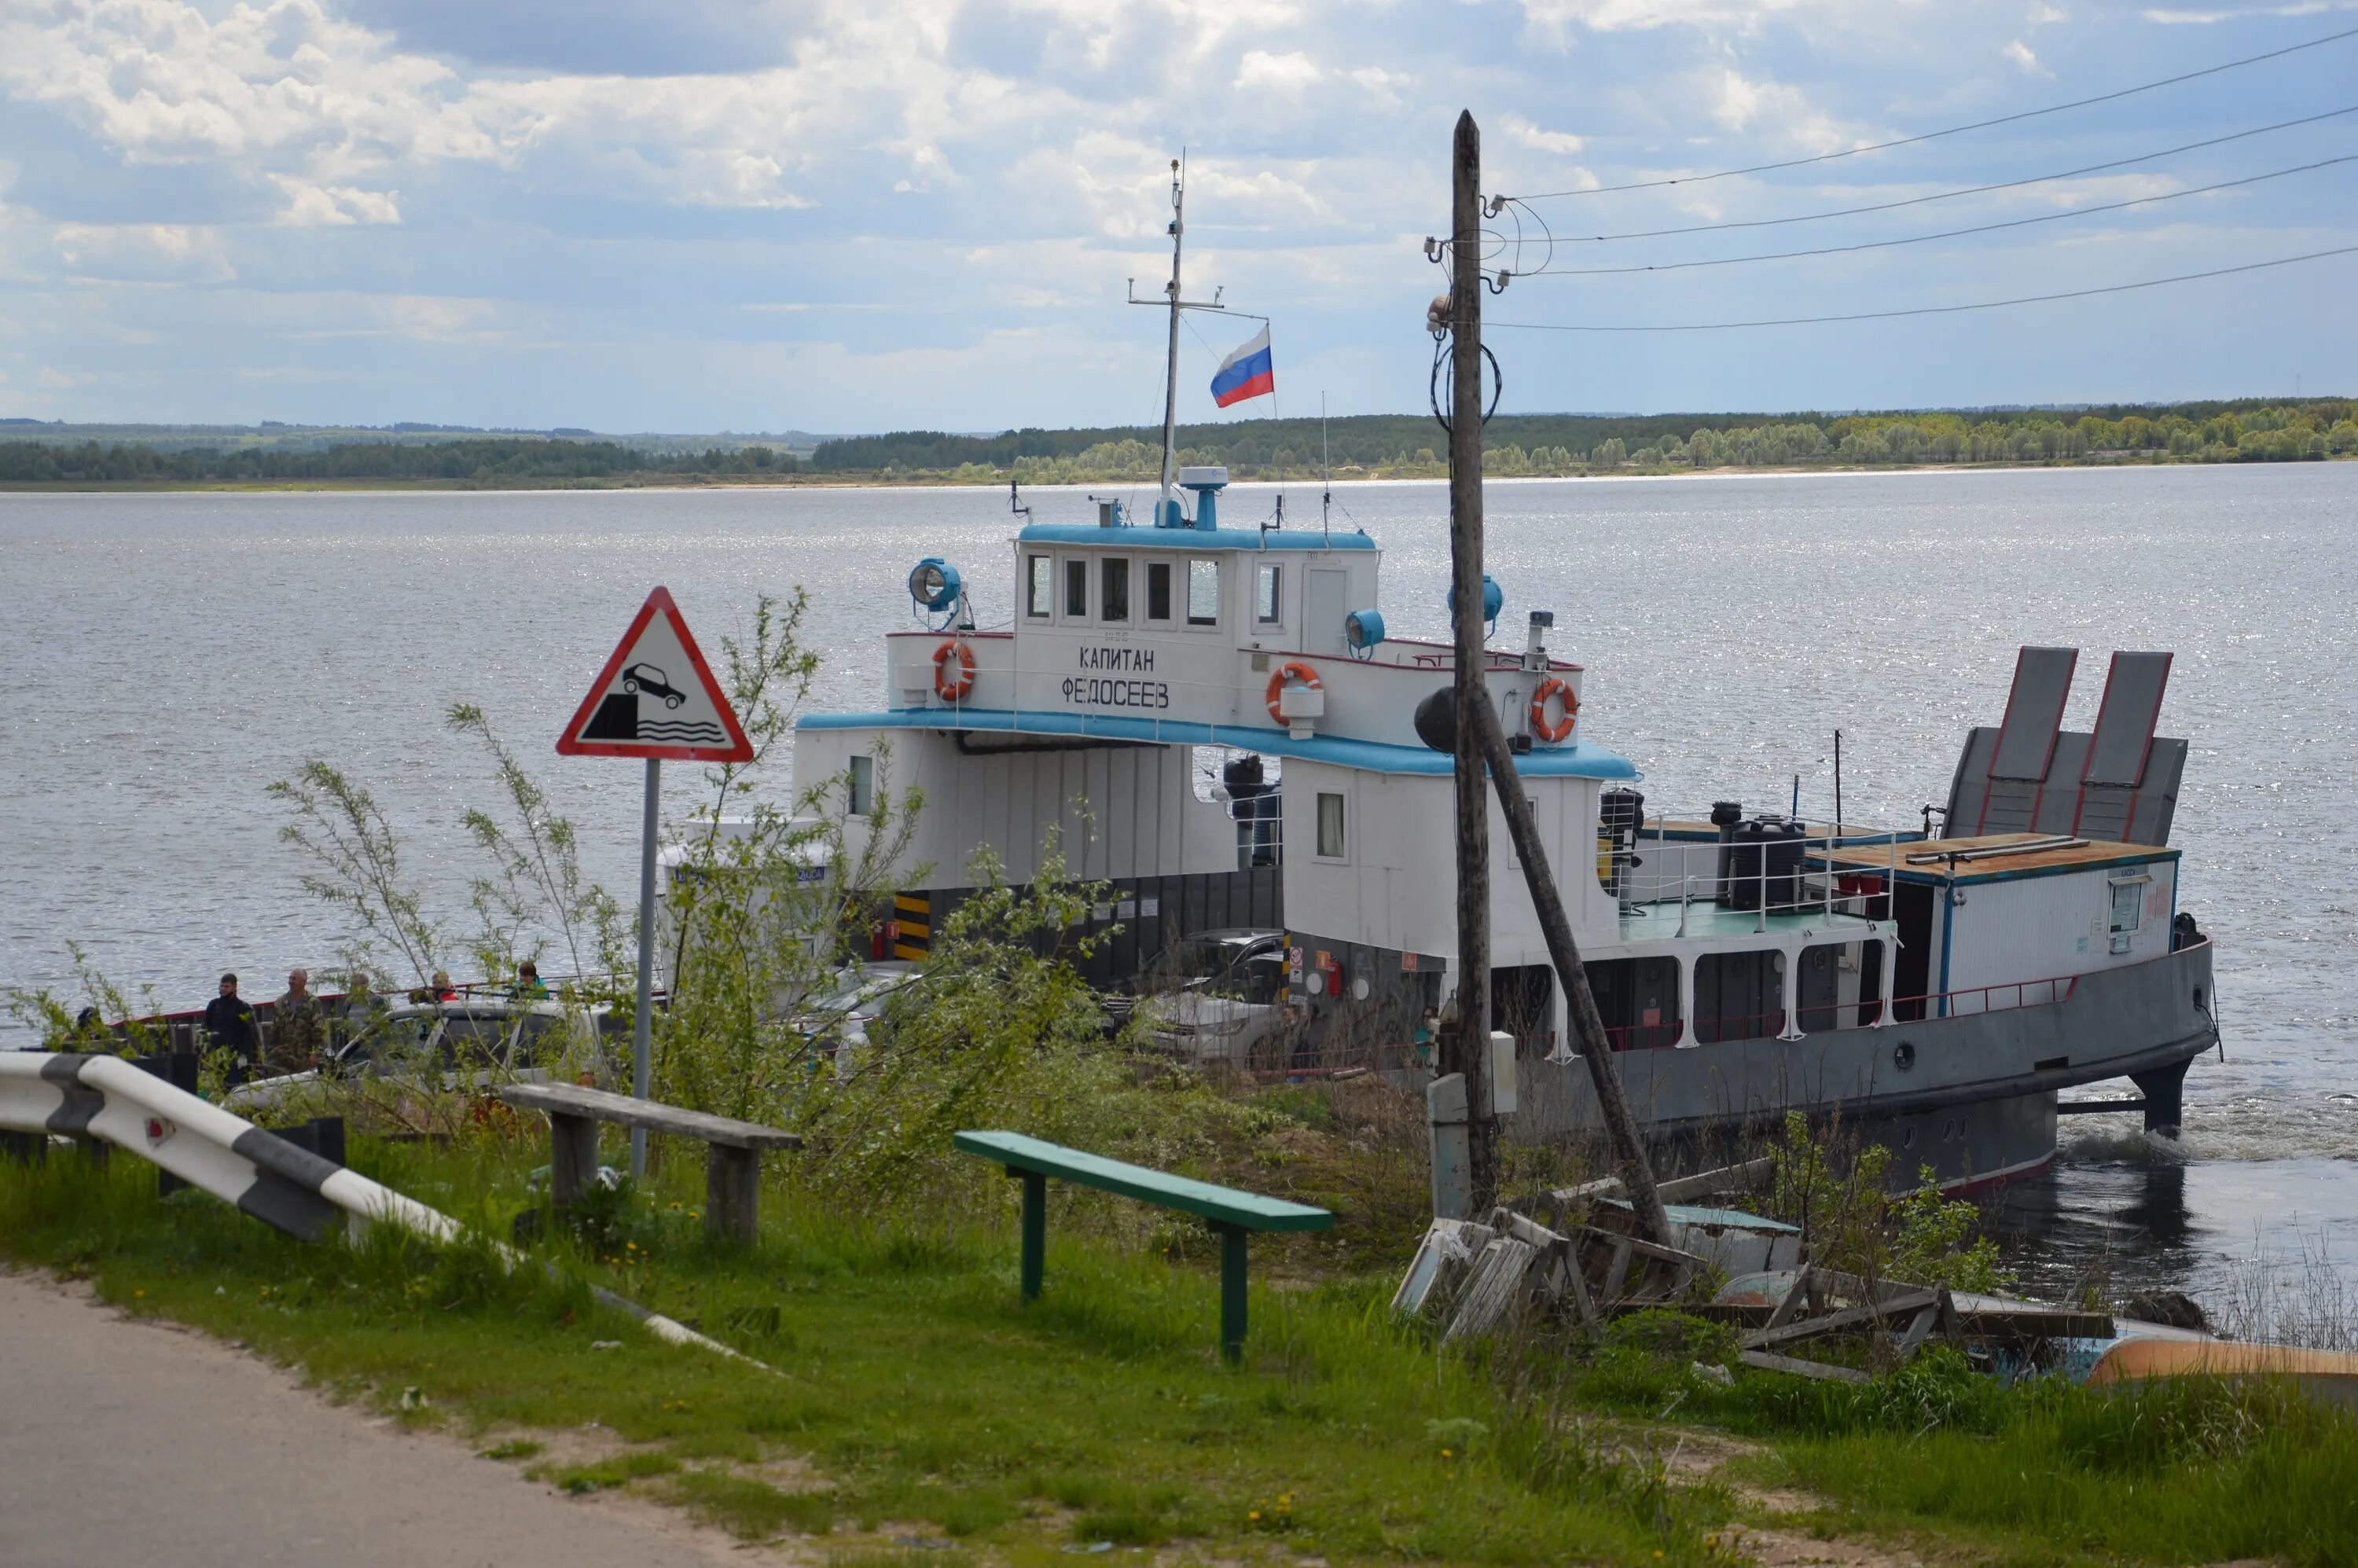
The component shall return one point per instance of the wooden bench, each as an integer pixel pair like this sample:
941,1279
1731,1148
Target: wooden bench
1231,1214
732,1165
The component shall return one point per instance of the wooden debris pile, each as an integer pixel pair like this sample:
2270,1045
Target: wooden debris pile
1898,1319
1572,1255
1479,1277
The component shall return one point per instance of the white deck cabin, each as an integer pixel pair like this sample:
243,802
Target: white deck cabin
1132,650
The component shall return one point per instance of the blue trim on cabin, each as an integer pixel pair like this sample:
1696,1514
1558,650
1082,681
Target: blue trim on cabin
1131,537
1579,760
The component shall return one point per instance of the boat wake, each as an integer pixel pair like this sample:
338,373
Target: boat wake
2244,1129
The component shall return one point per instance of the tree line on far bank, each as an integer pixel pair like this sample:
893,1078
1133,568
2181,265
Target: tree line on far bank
1377,446
496,462
1409,445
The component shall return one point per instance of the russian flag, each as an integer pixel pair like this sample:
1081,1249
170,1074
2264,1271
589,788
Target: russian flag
1246,373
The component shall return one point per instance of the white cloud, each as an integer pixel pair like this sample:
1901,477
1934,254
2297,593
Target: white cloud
2024,59
142,251
162,82
2205,18
1638,15
1526,135
1741,103
309,205
2043,15
1278,72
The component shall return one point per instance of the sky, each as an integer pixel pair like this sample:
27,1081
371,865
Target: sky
811,214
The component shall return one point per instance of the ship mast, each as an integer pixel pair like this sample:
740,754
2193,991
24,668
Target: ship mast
1171,300
1170,357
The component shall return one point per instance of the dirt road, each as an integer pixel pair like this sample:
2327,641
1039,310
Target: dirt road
129,1442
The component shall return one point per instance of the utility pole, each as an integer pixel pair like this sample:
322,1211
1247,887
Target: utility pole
1469,1051
1481,746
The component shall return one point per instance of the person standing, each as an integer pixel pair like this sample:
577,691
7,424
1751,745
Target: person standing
298,1027
230,1027
363,1015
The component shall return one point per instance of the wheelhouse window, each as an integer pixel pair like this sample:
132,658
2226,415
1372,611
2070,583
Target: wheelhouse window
862,791
1265,596
1330,826
1203,591
1077,589
1158,590
1113,600
1040,597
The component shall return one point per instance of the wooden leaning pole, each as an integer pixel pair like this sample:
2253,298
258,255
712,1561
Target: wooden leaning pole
1481,742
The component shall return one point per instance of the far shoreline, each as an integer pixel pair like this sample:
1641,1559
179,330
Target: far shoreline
923,481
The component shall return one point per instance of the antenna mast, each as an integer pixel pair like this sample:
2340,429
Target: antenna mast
1171,359
1171,301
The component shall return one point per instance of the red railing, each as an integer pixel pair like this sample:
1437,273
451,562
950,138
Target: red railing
1999,997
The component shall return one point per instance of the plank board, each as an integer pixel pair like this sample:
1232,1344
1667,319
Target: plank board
1820,1369
601,1105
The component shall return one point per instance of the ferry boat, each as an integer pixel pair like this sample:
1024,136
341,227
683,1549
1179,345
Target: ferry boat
1209,717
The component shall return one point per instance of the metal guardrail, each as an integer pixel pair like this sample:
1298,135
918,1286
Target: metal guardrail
112,1100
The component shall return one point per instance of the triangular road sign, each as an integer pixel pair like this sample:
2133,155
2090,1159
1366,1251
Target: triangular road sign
656,697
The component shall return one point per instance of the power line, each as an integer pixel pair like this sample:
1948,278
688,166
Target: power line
1920,309
1944,234
1967,191
1953,130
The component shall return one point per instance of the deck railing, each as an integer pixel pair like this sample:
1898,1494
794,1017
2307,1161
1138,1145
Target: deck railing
1760,877
2003,997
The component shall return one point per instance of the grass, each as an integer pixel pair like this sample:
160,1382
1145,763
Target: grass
915,1400
751,1509
920,1395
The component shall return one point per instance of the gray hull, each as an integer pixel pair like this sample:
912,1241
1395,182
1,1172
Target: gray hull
1971,1096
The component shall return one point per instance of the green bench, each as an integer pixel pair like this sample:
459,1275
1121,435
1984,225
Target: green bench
1232,1214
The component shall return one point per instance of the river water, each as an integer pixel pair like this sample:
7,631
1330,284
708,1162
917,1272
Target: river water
168,656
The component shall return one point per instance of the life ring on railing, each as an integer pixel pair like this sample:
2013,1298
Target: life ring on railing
949,687
1297,674
1556,687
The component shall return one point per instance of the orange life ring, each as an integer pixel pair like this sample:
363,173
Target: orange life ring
948,687
1299,674
1556,687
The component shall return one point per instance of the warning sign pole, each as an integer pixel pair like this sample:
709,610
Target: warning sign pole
643,1020
656,698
